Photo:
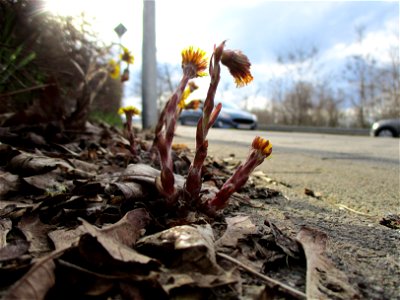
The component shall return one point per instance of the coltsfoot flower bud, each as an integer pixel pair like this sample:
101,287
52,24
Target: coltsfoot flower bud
261,149
129,112
238,65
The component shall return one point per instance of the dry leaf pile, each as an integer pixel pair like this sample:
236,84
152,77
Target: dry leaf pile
83,219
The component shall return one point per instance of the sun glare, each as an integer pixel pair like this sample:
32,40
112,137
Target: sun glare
65,7
103,16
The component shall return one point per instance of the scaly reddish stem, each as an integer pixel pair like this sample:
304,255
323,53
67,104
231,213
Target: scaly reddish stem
164,139
193,181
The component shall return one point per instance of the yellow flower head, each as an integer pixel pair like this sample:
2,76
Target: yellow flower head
262,145
194,62
126,56
188,90
238,65
184,96
129,110
113,68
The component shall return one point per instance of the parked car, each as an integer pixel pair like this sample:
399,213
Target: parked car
231,116
386,128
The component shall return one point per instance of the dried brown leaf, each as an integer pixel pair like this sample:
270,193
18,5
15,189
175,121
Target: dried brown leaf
13,250
147,287
26,164
187,248
18,203
126,231
36,233
129,228
288,245
115,249
171,281
35,284
29,164
84,165
130,190
237,228
8,183
323,280
147,174
46,183
5,227
76,280
65,238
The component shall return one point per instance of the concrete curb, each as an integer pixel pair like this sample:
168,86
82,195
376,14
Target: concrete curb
311,129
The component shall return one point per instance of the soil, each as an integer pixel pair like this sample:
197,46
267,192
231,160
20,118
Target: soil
88,176
365,250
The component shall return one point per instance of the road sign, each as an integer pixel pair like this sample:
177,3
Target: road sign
120,30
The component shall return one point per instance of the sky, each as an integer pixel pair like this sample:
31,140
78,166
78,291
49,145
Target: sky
260,29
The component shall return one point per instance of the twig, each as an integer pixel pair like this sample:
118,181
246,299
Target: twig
264,277
41,86
83,270
342,206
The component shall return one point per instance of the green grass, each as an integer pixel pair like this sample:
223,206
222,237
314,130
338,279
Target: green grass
110,118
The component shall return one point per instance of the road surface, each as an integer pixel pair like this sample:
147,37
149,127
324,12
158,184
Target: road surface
361,173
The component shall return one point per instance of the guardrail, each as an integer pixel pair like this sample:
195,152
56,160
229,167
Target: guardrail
329,130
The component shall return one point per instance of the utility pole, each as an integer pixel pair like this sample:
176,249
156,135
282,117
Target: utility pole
149,66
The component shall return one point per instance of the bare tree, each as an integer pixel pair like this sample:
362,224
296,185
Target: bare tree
296,92
165,76
327,106
388,101
166,83
361,73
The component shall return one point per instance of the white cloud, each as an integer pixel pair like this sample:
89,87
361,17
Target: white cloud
375,43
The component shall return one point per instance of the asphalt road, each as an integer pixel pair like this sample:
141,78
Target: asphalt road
359,172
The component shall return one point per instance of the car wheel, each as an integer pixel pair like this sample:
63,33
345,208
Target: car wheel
385,132
218,124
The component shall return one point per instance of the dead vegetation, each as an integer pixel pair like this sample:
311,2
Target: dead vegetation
81,219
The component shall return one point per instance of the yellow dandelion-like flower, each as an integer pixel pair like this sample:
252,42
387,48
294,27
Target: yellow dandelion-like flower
181,104
238,65
126,56
114,69
129,110
263,145
188,90
184,96
194,62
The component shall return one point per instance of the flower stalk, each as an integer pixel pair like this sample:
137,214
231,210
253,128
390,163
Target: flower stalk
210,113
193,65
181,104
163,140
129,112
239,67
261,149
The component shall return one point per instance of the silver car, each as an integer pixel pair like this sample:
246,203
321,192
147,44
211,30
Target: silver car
386,128
231,116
